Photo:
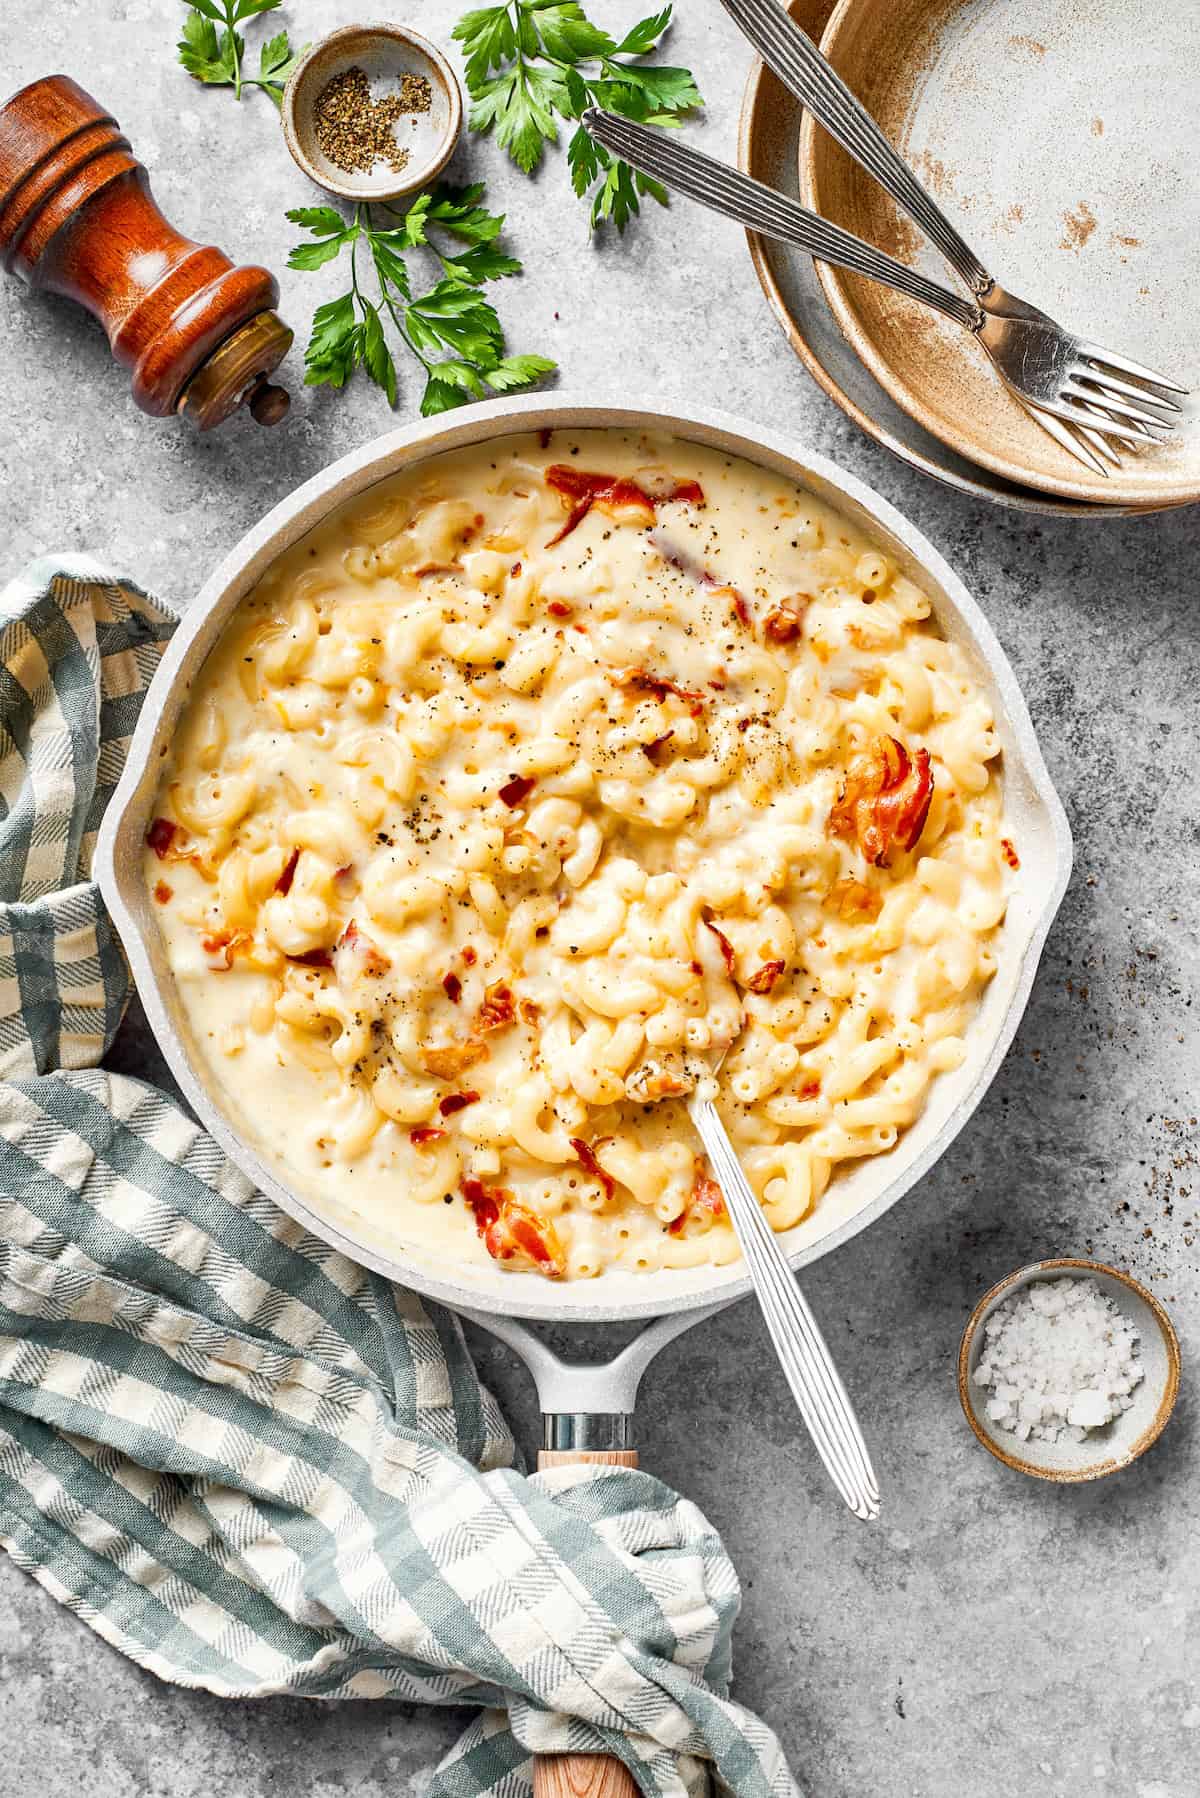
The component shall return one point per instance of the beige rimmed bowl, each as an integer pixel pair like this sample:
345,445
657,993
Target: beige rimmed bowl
1102,1451
385,53
1031,129
768,149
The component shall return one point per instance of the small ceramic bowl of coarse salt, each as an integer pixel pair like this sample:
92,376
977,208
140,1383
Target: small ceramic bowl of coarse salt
1068,1370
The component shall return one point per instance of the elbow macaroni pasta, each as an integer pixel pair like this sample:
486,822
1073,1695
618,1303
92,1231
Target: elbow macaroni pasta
539,784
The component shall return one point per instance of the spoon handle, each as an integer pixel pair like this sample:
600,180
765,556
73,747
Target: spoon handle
816,1385
726,190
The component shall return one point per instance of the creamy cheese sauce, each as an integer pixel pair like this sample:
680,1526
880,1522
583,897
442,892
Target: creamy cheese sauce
543,782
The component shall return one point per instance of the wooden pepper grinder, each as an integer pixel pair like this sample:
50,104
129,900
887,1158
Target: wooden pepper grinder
198,335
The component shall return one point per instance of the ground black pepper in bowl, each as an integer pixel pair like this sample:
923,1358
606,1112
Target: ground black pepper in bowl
372,112
354,131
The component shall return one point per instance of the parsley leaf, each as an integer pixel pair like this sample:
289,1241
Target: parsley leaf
451,329
211,50
517,371
313,255
320,220
484,263
276,61
492,39
531,63
333,349
204,55
645,34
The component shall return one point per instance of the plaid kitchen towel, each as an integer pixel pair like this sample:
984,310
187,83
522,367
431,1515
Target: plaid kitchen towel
248,1464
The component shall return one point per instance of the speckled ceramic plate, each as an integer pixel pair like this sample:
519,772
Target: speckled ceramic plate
1102,1451
1061,140
768,149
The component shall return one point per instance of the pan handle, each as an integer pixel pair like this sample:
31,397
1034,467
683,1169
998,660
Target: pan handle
583,1775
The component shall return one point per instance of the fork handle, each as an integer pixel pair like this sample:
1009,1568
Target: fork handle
816,1385
583,1775
792,55
724,189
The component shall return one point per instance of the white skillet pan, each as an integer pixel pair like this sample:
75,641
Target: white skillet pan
588,1409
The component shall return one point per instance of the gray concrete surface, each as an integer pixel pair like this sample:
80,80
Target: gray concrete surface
993,1636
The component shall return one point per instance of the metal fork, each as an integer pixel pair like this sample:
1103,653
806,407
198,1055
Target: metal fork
1063,376
807,1364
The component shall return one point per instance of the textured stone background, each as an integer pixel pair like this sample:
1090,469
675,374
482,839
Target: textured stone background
992,1635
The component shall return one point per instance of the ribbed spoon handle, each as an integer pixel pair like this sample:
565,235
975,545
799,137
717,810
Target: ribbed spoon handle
807,1364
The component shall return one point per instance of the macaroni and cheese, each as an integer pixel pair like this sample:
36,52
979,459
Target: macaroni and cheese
544,781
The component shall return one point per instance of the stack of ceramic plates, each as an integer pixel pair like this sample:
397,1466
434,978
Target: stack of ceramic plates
1058,140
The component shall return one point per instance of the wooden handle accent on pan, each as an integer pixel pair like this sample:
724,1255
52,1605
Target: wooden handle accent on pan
572,1457
583,1775
77,217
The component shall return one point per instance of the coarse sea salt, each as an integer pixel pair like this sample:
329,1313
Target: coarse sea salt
1059,1359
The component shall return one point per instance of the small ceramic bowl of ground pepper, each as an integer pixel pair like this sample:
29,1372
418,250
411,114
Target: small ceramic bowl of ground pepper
372,112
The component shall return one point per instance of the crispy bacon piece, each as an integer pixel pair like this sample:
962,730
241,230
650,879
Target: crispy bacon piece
857,903
364,956
453,986
785,622
425,1133
677,557
664,490
516,791
885,800
161,836
558,608
1009,853
284,883
511,1233
453,1058
162,892
520,1238
313,958
456,1102
485,1201
171,844
654,1080
655,752
581,489
705,1204
587,1156
765,977
737,604
469,956
575,517
221,948
498,1009
726,947
642,682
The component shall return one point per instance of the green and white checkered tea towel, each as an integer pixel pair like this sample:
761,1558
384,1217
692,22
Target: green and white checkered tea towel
248,1464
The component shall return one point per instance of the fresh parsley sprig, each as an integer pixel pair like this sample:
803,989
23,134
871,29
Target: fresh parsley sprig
552,63
452,330
211,48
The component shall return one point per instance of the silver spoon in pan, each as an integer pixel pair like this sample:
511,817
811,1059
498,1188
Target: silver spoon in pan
804,1356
